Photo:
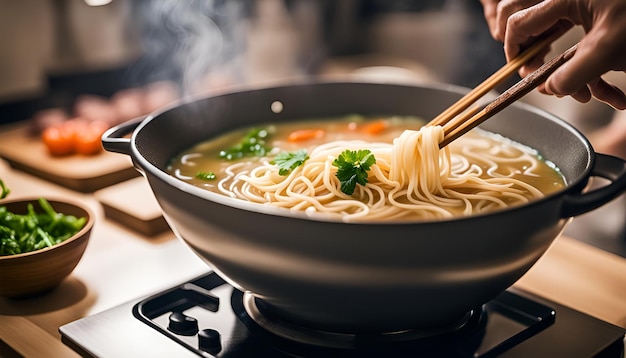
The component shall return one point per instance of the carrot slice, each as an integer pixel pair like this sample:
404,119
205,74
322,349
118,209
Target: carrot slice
305,134
376,127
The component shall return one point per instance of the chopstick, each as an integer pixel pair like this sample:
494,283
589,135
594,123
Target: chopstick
455,129
487,85
455,125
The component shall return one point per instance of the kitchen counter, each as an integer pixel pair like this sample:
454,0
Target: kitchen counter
121,265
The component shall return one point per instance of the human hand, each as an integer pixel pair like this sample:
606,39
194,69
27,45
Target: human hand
518,23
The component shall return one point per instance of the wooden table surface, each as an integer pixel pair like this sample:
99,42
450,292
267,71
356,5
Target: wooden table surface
121,265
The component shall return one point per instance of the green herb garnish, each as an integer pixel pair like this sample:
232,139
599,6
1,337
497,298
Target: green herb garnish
253,144
287,161
352,168
34,231
4,191
208,176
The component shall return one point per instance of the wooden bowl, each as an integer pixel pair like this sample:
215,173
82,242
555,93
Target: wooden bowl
37,272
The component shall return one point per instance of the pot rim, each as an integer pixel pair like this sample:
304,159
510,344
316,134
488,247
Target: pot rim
575,185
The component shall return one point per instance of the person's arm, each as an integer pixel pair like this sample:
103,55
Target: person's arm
518,23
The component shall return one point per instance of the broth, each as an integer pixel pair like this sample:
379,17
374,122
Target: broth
518,170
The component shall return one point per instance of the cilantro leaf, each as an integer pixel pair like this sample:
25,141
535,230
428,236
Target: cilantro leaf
289,161
352,168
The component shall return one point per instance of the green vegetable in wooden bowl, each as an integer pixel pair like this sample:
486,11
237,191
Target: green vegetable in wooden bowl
41,242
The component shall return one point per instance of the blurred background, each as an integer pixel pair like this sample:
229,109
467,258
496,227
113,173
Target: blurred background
57,50
119,59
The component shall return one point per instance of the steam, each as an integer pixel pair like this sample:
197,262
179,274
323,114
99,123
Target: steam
184,41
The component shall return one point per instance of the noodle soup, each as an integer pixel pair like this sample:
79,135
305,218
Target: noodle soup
363,169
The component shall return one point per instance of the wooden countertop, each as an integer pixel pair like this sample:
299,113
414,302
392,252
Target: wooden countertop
121,265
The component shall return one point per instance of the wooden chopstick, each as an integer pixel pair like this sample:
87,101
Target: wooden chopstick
490,83
453,129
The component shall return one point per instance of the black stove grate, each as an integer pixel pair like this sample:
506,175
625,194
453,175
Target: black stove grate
207,316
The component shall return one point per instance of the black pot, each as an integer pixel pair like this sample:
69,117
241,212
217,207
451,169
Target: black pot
361,277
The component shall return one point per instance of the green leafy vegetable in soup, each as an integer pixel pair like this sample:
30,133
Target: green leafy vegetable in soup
206,176
253,144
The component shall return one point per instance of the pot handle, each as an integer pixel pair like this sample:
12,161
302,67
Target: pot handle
113,139
605,166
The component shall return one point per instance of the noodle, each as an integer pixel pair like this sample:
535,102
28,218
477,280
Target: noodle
412,178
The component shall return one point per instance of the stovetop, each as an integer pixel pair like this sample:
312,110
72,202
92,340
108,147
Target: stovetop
207,317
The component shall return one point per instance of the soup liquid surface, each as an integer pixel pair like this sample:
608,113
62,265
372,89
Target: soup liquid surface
204,157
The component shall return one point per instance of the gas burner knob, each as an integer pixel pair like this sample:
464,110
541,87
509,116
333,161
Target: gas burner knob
182,324
209,341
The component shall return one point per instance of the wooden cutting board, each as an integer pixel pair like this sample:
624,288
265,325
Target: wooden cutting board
83,173
132,204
